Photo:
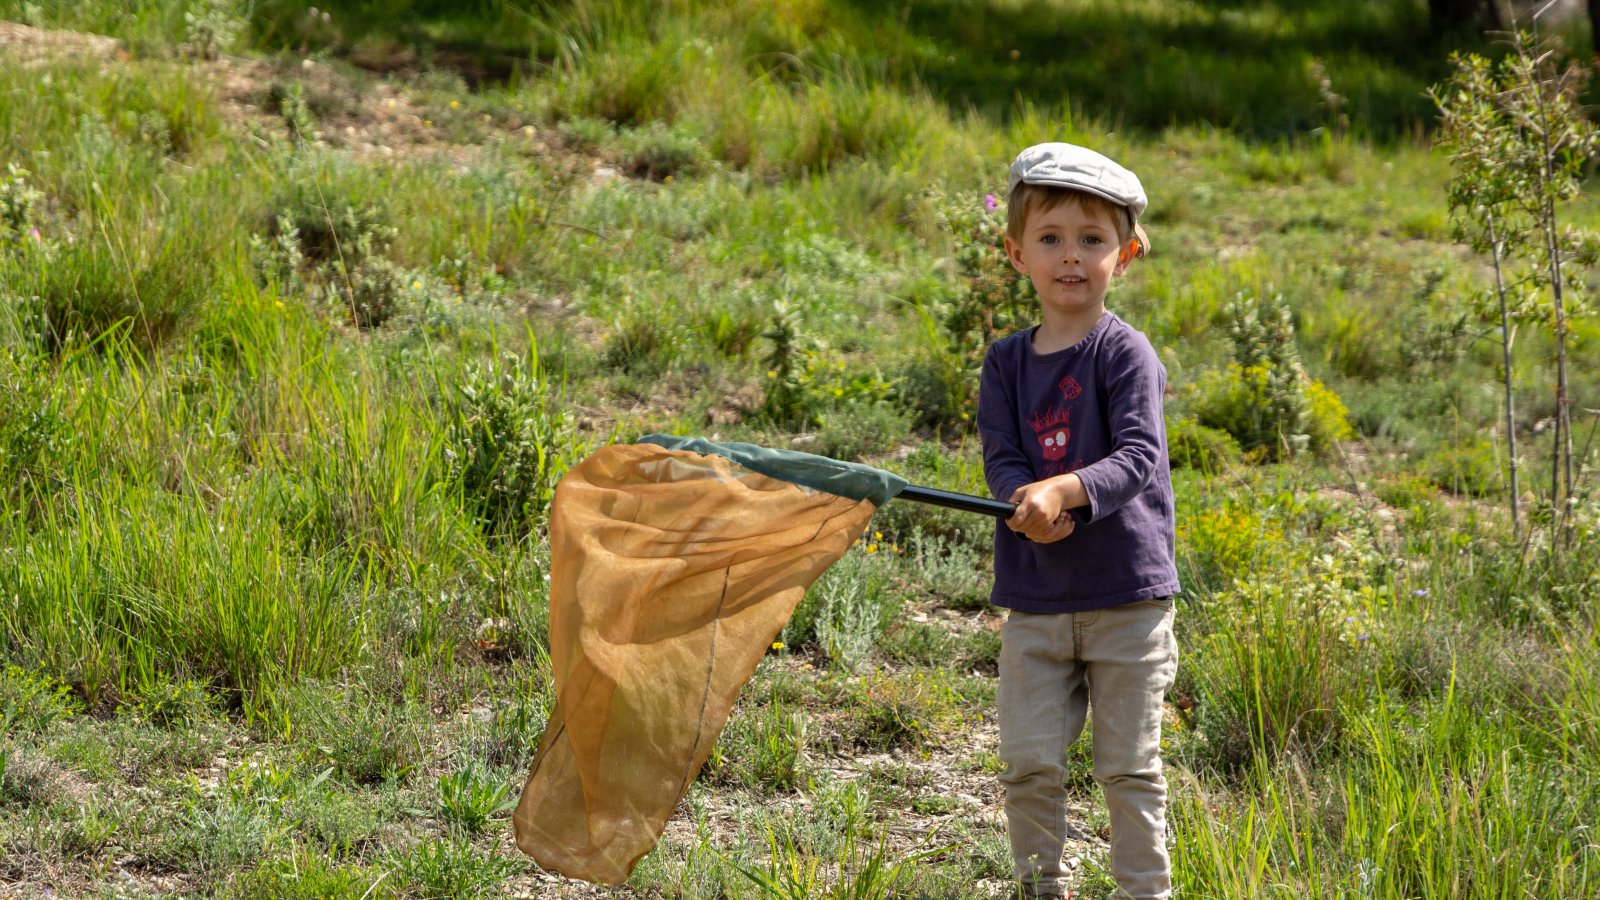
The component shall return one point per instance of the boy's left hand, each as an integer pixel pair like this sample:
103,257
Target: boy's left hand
1055,531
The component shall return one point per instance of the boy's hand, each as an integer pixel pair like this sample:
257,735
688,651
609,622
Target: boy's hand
1042,509
1060,528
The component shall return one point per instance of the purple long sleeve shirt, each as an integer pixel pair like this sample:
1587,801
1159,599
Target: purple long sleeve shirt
1094,409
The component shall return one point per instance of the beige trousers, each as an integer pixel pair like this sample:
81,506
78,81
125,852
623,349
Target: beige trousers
1052,666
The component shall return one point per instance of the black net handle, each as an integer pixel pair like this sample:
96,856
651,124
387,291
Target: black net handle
964,502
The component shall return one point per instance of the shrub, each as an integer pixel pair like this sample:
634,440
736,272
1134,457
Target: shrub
326,231
1191,445
952,571
35,429
212,28
892,713
18,200
289,101
451,868
639,343
365,739
658,152
762,748
152,282
510,438
806,386
990,302
993,300
372,293
1471,469
782,401
853,431
1269,416
731,333
1264,398
307,875
470,796
1221,544
1262,413
1328,418
846,610
32,701
1406,491
940,389
173,704
586,135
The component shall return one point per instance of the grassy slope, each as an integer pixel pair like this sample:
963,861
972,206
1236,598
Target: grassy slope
268,631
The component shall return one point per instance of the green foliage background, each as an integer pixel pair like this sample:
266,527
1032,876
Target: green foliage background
295,340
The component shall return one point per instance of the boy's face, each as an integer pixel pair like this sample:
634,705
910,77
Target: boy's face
1070,253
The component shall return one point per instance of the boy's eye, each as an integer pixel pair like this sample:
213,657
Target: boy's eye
1093,239
1049,239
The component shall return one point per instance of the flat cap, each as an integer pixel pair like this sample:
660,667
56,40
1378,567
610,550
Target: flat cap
1071,166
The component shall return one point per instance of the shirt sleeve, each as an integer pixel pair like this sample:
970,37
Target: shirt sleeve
1134,381
1006,466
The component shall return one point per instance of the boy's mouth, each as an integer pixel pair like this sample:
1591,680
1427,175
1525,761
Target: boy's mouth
1072,279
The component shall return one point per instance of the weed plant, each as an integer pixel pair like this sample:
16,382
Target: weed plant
470,796
509,441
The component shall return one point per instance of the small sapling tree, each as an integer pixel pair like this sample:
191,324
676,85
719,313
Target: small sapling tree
1518,141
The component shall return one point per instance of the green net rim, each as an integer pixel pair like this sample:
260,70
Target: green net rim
821,473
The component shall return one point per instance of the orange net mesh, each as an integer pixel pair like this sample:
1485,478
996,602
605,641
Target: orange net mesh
671,574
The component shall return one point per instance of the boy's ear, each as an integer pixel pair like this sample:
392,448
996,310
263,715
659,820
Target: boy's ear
1129,252
1014,253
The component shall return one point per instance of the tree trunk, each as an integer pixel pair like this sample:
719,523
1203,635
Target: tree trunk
1511,414
1448,16
1502,16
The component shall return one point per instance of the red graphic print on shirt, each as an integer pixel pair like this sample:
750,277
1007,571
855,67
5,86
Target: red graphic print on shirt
1053,427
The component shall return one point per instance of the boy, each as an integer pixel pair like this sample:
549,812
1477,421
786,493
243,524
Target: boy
1069,414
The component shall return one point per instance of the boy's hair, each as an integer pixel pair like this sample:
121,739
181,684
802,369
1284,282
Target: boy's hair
1029,199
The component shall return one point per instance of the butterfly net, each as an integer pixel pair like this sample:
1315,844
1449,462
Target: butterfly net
674,564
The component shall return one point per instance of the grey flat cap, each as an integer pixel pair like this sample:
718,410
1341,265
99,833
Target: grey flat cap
1071,166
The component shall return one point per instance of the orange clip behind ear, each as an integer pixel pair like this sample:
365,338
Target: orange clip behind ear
1143,239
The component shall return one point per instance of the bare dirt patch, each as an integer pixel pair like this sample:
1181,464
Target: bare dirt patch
31,46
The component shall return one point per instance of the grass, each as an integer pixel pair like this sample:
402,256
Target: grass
280,413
